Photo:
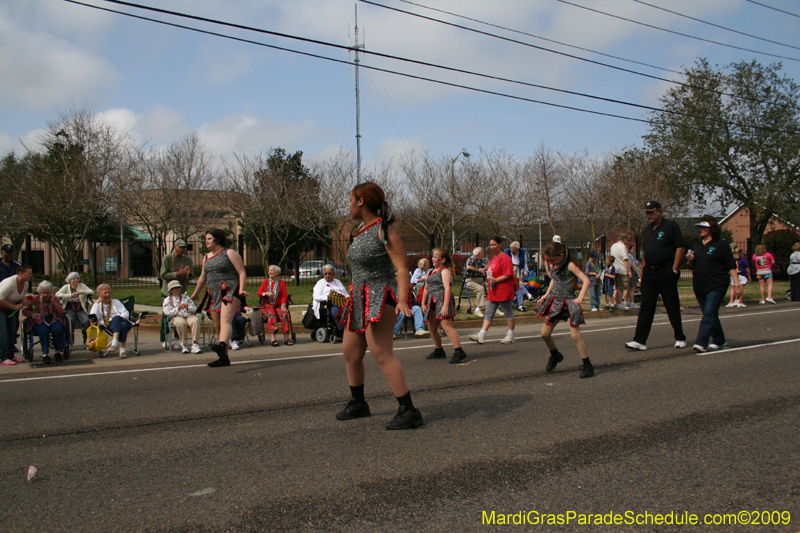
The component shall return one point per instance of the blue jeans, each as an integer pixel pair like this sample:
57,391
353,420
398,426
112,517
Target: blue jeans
120,325
710,326
522,293
56,329
419,322
594,295
238,325
8,333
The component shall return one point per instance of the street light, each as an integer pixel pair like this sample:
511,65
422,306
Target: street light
453,195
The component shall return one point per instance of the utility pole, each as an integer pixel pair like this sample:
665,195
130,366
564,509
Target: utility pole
357,60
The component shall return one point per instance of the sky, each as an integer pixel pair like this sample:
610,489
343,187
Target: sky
163,83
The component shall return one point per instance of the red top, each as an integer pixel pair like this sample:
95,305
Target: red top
501,266
266,285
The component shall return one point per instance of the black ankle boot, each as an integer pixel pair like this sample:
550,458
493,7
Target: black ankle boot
458,356
555,358
223,360
437,353
588,370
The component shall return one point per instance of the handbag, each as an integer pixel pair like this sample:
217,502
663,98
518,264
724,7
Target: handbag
256,322
309,320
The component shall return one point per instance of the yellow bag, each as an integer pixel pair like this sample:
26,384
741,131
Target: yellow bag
96,339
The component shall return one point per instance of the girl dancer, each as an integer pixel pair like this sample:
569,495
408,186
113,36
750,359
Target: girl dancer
376,252
439,294
223,269
558,304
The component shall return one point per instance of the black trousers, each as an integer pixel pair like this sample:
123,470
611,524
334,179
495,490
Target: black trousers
795,287
662,282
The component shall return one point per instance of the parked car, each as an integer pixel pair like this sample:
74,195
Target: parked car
313,270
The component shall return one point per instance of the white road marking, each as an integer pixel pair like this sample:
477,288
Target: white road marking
417,347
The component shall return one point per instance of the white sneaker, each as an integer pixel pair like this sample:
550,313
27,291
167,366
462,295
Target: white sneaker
421,333
731,305
196,348
477,337
234,345
741,304
594,309
500,312
478,313
622,307
508,339
680,344
762,302
713,347
184,349
394,336
633,345
770,300
699,349
633,306
164,345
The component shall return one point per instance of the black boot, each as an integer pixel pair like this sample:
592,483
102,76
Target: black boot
353,409
588,370
555,358
223,360
437,353
458,356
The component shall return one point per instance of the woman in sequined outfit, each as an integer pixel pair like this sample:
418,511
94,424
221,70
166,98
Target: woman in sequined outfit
223,272
379,273
439,307
559,303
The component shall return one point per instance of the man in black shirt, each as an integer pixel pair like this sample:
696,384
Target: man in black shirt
663,247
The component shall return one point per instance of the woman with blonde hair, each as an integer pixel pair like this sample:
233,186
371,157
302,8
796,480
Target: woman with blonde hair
439,306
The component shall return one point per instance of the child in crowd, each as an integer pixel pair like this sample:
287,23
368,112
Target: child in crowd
559,303
763,261
609,275
743,272
439,306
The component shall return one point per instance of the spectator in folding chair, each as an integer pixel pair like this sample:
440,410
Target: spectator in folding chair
45,312
420,275
475,274
181,311
275,306
74,297
113,315
239,326
176,266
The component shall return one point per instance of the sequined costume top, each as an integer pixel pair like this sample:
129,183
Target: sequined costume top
221,278
372,278
436,297
559,305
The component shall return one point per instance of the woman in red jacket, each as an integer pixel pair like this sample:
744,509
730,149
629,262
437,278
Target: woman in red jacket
275,305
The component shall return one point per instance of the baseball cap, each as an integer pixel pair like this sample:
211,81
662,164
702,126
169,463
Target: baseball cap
703,224
180,243
652,205
593,254
7,248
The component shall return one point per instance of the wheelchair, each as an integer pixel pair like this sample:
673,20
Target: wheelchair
29,339
324,329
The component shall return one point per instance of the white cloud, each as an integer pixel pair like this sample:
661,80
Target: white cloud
40,70
241,133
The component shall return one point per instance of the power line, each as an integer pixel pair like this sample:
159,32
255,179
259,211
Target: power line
716,25
774,8
403,74
387,56
514,41
540,37
676,32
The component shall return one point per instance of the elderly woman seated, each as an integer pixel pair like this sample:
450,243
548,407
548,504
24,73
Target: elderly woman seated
45,312
74,296
113,315
323,289
181,311
275,305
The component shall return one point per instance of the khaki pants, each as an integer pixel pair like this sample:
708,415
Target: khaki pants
479,290
182,324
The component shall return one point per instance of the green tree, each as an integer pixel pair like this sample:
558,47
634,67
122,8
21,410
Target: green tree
732,135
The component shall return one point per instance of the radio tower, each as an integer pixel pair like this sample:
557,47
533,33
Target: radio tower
356,48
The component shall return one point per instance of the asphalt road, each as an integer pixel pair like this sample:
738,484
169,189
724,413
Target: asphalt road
256,447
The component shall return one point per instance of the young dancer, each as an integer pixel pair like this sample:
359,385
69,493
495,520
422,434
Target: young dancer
374,255
439,306
559,303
